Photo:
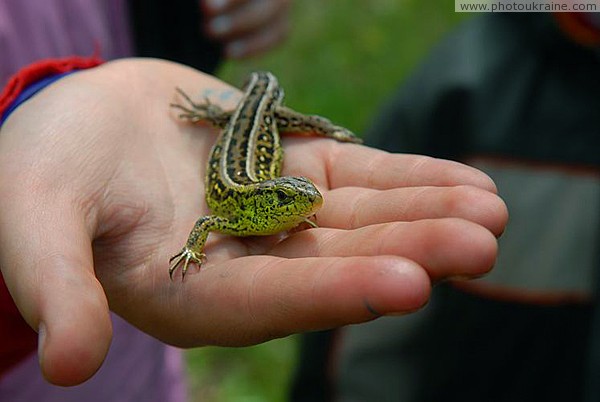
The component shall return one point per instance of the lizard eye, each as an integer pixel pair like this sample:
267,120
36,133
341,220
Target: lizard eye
283,197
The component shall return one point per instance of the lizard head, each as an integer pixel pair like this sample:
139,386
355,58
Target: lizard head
285,202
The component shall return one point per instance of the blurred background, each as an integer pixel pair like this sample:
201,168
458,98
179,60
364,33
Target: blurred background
341,60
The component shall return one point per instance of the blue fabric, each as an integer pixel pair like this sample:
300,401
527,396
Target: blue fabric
31,90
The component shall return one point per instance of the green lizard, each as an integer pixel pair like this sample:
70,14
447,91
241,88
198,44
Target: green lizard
244,189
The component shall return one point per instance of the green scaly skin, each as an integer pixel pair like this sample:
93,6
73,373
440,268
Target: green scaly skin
244,190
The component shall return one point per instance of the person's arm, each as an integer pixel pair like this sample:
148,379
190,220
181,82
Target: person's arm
101,183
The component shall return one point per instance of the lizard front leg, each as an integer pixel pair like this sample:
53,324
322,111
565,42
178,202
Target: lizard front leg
192,251
196,112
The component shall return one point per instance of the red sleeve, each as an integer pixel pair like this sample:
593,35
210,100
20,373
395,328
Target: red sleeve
17,339
42,69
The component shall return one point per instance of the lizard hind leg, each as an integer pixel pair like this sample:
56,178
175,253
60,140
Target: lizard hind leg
290,121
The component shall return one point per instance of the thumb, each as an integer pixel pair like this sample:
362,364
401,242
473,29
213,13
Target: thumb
47,263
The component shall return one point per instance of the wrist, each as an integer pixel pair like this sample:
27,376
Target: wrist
33,78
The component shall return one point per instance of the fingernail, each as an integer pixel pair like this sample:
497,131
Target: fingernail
371,309
407,312
220,25
216,5
41,341
236,49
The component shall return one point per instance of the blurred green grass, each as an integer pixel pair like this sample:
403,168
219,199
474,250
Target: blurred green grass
341,60
344,56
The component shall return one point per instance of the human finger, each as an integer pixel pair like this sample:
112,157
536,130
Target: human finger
239,18
353,207
47,265
445,248
263,39
252,299
354,165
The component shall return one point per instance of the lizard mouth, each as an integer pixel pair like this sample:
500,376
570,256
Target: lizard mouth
316,199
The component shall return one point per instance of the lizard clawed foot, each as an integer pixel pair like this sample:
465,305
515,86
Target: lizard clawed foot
186,256
197,112
310,222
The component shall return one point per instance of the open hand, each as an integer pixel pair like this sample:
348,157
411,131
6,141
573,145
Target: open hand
100,184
